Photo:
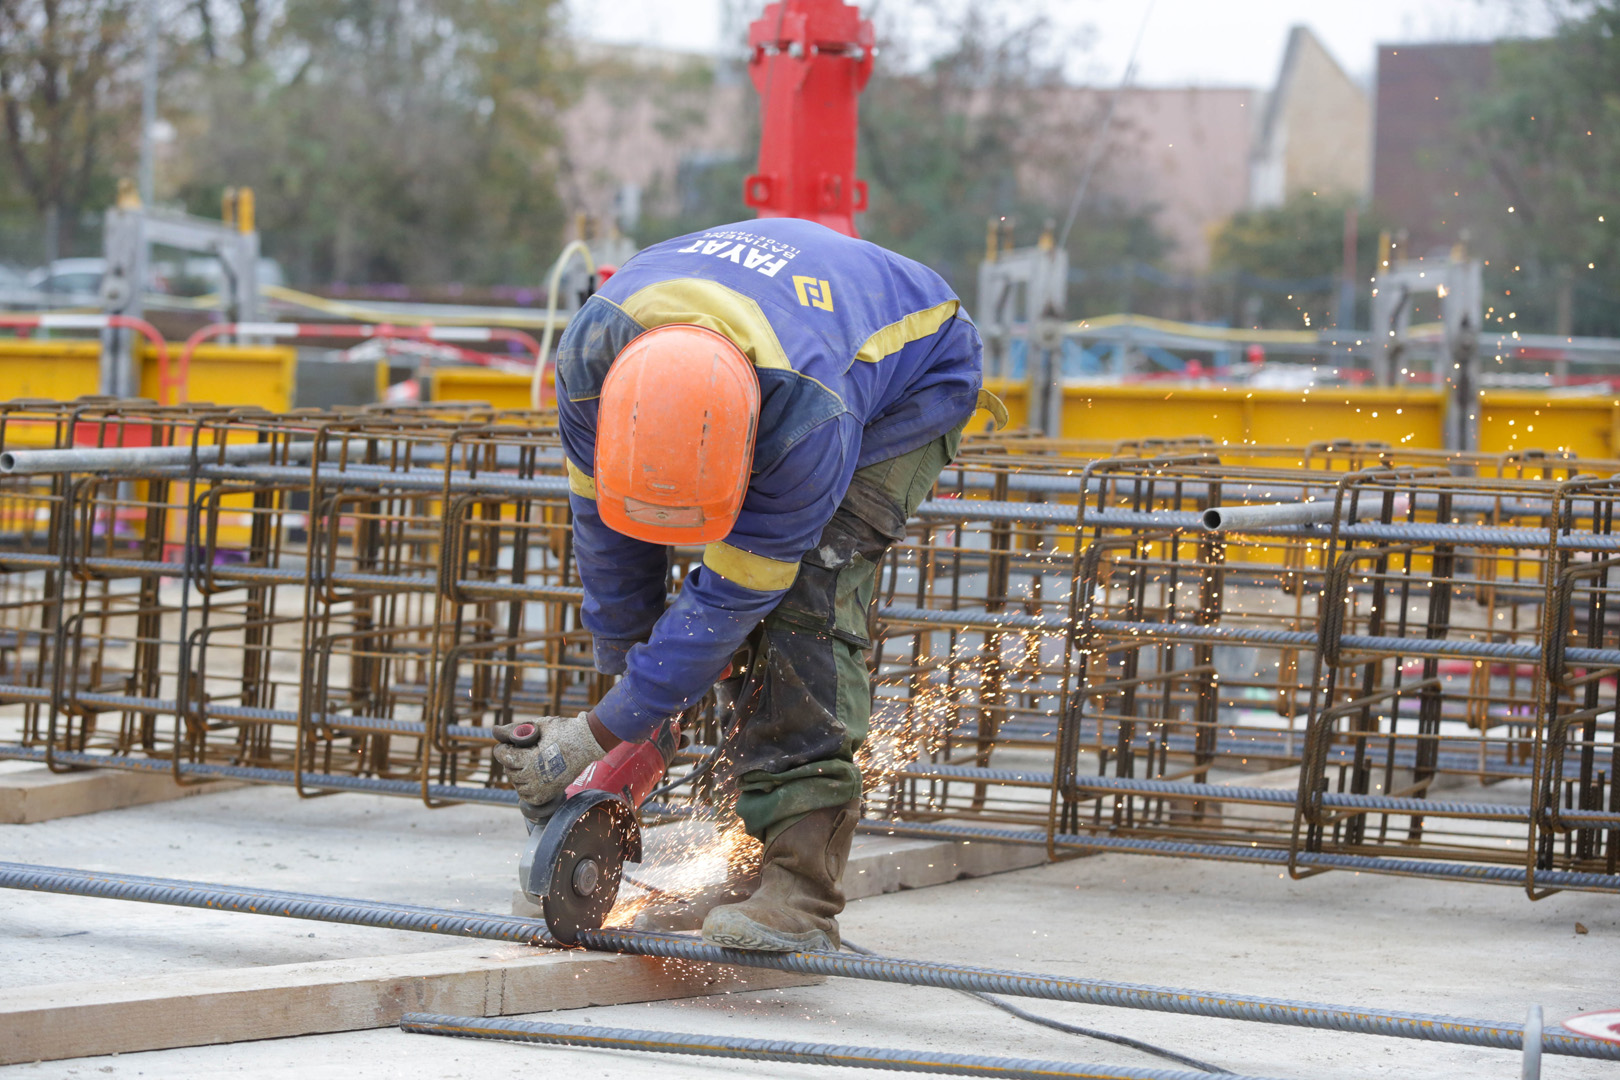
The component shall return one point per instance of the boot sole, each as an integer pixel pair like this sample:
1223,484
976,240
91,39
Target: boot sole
736,931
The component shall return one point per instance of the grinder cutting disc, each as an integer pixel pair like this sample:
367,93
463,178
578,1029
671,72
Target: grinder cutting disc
573,864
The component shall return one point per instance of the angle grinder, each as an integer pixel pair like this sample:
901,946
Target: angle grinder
580,841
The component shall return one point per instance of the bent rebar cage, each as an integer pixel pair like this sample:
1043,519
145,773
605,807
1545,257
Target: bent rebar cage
1403,662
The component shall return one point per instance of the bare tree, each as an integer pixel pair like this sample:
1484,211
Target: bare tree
68,94
408,141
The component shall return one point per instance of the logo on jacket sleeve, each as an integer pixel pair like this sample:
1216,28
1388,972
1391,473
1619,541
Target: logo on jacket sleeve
813,293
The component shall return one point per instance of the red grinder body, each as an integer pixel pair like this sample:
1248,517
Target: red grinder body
632,770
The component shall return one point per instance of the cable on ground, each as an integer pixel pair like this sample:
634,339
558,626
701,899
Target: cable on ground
1071,1029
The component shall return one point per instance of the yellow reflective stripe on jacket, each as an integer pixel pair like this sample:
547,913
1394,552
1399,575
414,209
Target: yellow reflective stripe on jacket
715,307
580,484
747,569
914,327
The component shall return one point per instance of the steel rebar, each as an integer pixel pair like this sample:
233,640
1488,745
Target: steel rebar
781,1050
254,901
384,915
1421,1026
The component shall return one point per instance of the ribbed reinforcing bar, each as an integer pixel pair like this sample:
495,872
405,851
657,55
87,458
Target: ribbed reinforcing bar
1422,1026
797,1053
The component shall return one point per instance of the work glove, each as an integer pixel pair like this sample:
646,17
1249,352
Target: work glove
544,755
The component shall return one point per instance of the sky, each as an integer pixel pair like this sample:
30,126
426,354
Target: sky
1199,42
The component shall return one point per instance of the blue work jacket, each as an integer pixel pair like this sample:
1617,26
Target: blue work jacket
862,355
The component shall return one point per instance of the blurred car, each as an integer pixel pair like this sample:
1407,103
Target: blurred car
77,282
69,282
14,290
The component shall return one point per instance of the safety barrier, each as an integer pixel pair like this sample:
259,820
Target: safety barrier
167,384
499,389
1236,415
284,331
1510,421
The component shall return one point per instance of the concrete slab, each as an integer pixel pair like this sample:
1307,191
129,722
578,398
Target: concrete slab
1385,942
199,1000
365,846
35,794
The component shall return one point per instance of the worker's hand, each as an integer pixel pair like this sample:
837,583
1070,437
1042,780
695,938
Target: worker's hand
544,755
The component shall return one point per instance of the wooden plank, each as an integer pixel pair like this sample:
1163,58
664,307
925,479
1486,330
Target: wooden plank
81,1019
28,796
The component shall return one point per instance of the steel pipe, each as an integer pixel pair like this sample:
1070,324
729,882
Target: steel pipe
426,481
87,459
978,476
496,485
1245,518
284,777
1150,788
1464,648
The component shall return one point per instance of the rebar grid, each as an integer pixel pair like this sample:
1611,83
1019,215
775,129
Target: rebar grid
351,598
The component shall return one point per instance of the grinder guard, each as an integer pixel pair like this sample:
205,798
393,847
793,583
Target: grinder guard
573,864
579,843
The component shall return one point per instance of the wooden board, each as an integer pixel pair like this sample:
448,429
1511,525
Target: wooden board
33,795
47,1023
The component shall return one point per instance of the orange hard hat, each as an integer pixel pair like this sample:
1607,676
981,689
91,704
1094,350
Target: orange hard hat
675,436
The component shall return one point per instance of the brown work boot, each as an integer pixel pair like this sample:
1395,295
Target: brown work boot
799,889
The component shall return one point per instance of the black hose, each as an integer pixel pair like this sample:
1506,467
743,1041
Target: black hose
1070,1029
1093,1033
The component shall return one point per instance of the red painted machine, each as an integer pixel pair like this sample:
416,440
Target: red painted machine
809,60
578,844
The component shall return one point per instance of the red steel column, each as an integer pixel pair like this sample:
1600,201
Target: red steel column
809,60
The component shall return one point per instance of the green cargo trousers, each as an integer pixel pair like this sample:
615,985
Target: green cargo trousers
804,698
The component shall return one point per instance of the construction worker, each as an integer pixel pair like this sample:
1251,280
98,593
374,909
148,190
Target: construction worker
783,396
